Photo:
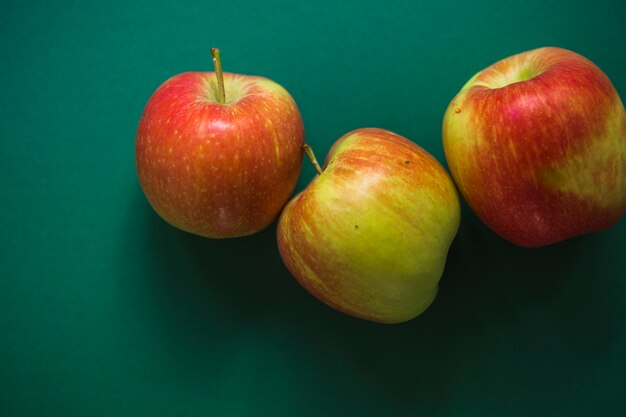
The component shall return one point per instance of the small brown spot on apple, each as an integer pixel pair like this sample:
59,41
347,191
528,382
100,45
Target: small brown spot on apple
407,162
356,227
457,110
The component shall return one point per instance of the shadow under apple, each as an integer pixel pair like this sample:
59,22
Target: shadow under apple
214,295
506,318
526,317
239,280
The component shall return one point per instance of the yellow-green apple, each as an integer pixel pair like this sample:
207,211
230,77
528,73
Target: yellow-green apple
219,154
537,146
370,234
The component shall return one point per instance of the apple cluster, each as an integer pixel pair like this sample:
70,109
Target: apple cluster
536,145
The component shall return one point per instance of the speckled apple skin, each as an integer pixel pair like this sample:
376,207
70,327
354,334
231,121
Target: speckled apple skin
370,235
536,144
219,170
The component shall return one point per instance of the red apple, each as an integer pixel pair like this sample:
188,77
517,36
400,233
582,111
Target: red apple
217,154
370,234
537,146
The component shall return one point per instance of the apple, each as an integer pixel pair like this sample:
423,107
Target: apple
370,234
219,154
536,144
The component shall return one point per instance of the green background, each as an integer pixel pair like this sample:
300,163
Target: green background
105,310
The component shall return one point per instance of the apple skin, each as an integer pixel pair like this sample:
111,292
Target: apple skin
219,170
536,144
370,235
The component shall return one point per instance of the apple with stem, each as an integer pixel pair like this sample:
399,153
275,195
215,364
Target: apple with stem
536,144
219,154
370,234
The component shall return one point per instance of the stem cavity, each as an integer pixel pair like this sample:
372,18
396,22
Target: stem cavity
217,63
309,152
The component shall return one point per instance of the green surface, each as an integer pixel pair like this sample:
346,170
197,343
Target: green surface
105,310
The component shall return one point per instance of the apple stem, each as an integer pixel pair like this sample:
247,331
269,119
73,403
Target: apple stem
217,63
309,152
